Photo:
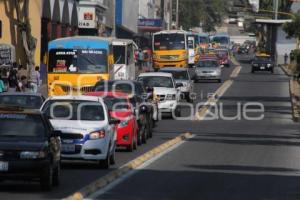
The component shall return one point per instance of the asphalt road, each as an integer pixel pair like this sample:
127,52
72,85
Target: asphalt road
229,159
76,175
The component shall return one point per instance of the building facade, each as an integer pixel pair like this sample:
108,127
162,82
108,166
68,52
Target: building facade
10,33
126,18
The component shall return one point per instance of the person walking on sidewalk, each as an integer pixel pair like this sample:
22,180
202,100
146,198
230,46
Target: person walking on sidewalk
140,59
35,80
2,87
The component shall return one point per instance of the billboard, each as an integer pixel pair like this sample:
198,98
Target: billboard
150,24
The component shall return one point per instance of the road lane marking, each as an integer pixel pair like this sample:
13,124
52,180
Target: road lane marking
200,115
123,170
133,172
115,177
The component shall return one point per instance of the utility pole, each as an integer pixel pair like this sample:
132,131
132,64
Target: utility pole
177,14
275,6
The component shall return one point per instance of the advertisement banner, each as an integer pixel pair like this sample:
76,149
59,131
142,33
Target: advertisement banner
150,24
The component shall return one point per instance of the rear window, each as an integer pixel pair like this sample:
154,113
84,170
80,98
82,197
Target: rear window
21,125
126,87
208,63
26,101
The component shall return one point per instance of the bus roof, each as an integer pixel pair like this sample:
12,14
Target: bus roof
170,32
81,42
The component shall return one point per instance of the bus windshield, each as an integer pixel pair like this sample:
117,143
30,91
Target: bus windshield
78,61
221,39
203,40
119,54
172,41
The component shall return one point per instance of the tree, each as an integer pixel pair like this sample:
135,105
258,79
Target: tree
29,42
209,13
293,28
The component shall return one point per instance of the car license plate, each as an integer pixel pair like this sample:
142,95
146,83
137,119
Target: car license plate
68,148
262,67
3,166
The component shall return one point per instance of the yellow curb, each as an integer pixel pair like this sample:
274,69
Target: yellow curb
134,164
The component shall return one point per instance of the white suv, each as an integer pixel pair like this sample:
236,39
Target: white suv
165,91
88,132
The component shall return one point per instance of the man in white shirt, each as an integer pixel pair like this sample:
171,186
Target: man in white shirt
35,80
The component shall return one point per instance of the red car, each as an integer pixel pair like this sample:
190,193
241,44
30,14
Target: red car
120,108
223,56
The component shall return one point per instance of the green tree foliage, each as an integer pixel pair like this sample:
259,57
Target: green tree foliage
283,5
293,28
209,13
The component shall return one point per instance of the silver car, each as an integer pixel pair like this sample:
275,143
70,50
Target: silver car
208,69
182,75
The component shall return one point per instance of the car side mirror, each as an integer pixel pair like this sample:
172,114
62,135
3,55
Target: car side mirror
56,133
178,85
114,121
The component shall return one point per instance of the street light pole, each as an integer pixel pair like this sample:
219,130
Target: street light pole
177,14
275,5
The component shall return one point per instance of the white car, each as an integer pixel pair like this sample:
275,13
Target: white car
165,91
88,132
182,75
208,69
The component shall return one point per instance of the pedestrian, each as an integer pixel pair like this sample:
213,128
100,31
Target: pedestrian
35,80
140,59
22,71
2,87
22,84
286,58
12,79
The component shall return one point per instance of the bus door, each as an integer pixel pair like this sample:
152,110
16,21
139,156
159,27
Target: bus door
191,50
124,65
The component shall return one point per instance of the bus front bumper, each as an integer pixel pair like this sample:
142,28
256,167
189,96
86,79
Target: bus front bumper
157,64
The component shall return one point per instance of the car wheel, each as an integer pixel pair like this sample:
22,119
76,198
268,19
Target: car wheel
46,179
188,98
272,71
178,112
139,136
144,134
112,157
252,71
130,147
219,80
135,142
104,164
56,175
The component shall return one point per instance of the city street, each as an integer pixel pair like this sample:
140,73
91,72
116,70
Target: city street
150,100
233,159
237,159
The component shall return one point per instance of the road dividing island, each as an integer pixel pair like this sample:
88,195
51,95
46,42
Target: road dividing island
294,91
213,99
122,171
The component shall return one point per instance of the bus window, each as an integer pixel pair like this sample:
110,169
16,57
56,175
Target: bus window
77,61
173,41
119,54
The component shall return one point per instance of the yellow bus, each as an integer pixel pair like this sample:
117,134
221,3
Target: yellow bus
75,64
170,49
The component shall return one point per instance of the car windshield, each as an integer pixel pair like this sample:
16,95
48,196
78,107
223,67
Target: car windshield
25,101
182,75
208,63
156,81
221,39
22,125
78,61
116,103
108,86
74,110
173,41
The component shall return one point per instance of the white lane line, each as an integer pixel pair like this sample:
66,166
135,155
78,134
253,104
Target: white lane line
131,173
